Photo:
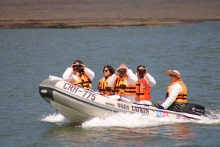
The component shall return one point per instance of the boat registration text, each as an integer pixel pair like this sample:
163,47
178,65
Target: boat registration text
77,90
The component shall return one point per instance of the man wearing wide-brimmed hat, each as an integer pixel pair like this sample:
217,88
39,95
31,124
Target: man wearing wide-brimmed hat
176,96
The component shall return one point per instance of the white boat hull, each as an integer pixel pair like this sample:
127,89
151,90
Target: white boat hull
78,105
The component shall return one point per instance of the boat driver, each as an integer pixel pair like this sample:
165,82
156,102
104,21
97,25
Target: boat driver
79,74
176,96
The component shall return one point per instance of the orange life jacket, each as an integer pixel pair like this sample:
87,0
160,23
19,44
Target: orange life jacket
103,86
83,80
142,90
120,87
182,96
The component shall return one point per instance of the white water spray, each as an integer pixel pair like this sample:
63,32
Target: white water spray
131,120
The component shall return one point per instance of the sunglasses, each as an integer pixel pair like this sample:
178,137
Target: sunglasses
141,70
105,70
172,76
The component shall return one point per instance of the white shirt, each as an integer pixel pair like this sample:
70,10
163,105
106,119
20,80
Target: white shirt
175,89
150,80
69,76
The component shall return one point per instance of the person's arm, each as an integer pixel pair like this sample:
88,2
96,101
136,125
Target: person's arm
69,76
150,80
89,73
132,78
174,91
111,80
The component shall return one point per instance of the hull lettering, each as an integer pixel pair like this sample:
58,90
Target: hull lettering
139,109
123,106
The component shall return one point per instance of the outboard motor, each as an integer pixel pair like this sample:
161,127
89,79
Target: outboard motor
195,109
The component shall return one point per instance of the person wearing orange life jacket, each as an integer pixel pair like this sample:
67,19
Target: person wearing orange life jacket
79,75
103,87
123,82
143,86
176,96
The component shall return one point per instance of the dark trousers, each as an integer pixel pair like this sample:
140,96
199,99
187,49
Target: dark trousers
178,107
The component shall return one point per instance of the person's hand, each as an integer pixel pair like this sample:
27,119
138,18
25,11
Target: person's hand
74,69
122,71
83,66
117,72
72,66
160,107
126,73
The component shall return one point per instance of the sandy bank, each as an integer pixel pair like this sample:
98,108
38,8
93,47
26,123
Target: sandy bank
111,13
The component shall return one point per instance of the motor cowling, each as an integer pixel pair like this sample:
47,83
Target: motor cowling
195,109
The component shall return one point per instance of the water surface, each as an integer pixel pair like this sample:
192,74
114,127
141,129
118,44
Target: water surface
29,56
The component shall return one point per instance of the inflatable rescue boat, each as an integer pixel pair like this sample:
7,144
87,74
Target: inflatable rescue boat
78,104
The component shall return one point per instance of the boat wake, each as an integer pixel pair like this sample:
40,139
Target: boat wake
127,120
55,118
130,120
214,116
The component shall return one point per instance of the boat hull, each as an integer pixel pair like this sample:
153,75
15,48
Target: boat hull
78,104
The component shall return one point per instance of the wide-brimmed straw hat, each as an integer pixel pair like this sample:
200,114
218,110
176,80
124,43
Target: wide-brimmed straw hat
173,72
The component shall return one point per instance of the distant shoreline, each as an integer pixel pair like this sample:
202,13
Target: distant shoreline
14,24
105,14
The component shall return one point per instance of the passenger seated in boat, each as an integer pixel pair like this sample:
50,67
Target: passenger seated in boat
103,87
79,74
143,86
176,96
123,82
